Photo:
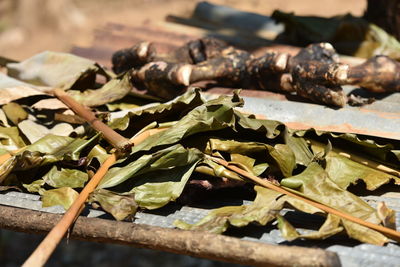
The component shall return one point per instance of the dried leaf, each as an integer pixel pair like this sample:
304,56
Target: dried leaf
280,156
344,172
169,111
12,89
57,70
63,196
35,186
314,184
387,215
214,115
114,90
51,103
156,179
287,230
34,131
119,205
65,178
46,150
15,113
10,138
263,210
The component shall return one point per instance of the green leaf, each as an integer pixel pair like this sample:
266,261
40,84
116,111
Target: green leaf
55,69
285,158
155,179
113,90
287,230
63,196
211,168
369,146
169,111
344,171
364,234
65,178
98,153
364,148
299,146
245,162
49,149
263,210
316,185
214,115
280,156
120,105
235,147
270,128
329,228
61,147
154,189
119,205
35,186
216,221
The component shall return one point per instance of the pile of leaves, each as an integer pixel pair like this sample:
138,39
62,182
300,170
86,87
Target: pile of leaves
46,149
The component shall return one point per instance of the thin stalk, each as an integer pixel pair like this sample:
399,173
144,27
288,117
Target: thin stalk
42,253
395,235
114,138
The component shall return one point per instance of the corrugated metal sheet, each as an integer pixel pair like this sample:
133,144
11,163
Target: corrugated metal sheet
351,253
381,118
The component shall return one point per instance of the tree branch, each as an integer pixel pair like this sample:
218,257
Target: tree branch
193,243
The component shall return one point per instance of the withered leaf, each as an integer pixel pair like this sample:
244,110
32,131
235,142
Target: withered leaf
120,205
63,196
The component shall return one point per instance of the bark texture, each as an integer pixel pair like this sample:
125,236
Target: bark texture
198,244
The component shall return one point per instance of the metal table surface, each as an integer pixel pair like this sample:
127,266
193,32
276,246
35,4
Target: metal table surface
351,253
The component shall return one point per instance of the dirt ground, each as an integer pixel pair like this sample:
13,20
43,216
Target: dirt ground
20,38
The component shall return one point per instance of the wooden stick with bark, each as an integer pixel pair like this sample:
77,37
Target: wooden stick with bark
192,243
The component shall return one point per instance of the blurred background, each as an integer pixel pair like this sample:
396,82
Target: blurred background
31,26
